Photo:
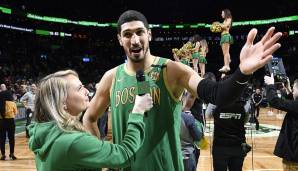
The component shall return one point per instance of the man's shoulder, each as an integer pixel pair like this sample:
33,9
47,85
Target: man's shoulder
111,73
167,60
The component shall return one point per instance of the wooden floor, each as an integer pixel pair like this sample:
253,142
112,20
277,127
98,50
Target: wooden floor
263,159
25,161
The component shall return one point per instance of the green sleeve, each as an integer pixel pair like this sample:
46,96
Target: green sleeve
89,152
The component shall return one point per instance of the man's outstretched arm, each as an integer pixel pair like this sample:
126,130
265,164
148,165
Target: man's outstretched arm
252,57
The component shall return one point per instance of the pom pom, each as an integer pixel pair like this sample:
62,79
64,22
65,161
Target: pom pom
215,27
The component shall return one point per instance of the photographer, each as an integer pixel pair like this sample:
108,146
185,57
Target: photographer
287,143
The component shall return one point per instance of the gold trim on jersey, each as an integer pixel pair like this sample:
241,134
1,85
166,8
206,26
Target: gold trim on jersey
132,73
165,78
113,82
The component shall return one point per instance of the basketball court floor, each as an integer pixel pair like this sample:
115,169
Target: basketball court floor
262,158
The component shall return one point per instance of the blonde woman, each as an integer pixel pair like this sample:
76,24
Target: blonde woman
203,54
226,39
182,55
60,142
195,40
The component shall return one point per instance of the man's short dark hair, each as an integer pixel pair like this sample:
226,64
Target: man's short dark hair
131,15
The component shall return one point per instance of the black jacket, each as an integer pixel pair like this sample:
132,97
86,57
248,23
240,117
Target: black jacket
287,142
257,98
229,123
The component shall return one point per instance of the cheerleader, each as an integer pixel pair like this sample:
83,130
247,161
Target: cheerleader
195,54
183,54
202,58
226,39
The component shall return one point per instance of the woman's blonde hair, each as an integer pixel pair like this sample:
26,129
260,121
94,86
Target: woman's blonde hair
204,44
50,101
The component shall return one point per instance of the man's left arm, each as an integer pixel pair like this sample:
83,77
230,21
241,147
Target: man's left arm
181,76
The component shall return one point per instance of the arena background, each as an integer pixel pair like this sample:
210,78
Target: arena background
40,37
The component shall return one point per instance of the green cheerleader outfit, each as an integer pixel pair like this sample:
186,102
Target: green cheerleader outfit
226,38
185,61
202,59
195,55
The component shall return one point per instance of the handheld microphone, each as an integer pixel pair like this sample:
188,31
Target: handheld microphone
142,84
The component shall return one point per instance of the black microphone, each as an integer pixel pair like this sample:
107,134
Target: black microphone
142,84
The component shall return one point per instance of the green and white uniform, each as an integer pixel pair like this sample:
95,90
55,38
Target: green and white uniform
161,150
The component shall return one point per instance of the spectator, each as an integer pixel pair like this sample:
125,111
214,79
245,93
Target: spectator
8,110
28,99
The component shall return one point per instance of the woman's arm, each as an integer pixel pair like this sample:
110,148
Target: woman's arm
226,24
89,152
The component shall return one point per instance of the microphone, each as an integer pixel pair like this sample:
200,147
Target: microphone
142,84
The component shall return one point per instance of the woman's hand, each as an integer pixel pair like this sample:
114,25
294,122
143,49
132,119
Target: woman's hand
142,104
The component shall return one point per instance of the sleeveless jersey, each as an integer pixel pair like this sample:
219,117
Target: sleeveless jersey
161,150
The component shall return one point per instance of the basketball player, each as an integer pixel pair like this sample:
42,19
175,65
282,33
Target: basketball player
167,79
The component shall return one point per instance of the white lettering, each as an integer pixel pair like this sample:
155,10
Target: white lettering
230,116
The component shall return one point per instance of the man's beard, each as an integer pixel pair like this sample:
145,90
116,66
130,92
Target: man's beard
136,59
140,58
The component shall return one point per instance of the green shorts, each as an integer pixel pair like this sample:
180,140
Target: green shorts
226,38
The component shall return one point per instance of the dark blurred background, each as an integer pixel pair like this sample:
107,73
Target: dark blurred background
93,50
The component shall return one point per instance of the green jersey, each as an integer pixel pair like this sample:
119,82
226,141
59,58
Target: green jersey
161,150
